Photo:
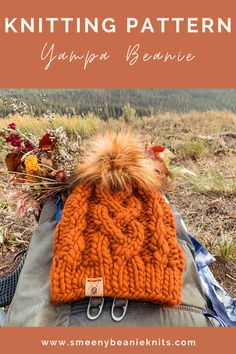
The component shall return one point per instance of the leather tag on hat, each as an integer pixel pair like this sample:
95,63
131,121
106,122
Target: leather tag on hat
94,287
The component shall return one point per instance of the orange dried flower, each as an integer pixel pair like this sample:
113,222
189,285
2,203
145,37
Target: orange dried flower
31,164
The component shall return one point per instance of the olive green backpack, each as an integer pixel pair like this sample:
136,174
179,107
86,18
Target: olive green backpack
31,305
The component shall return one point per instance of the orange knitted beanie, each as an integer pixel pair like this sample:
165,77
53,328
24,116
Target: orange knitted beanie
117,234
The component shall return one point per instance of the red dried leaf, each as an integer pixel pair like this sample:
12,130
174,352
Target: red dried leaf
61,176
154,151
46,142
28,145
157,149
14,139
12,126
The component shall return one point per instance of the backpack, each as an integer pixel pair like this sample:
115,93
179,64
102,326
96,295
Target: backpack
31,305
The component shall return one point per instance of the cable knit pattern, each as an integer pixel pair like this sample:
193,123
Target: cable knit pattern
126,237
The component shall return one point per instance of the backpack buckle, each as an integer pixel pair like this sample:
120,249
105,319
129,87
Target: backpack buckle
116,306
95,305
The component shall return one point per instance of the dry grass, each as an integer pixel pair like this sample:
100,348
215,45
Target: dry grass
83,126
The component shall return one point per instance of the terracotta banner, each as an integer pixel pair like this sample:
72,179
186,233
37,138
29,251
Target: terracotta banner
117,340
118,44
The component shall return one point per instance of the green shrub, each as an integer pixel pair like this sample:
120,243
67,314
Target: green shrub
129,113
227,248
211,180
193,149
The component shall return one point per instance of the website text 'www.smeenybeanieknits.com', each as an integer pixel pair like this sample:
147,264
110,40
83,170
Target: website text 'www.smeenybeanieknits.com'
110,342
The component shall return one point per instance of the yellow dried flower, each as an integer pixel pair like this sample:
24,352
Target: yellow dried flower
31,164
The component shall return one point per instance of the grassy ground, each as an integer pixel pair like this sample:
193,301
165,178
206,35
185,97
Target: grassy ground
203,142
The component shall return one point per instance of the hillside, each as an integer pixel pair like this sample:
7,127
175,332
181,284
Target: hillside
107,103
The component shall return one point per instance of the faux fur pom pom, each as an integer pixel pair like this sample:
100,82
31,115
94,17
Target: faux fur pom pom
115,160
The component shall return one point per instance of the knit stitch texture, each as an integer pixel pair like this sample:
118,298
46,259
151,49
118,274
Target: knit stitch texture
126,237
